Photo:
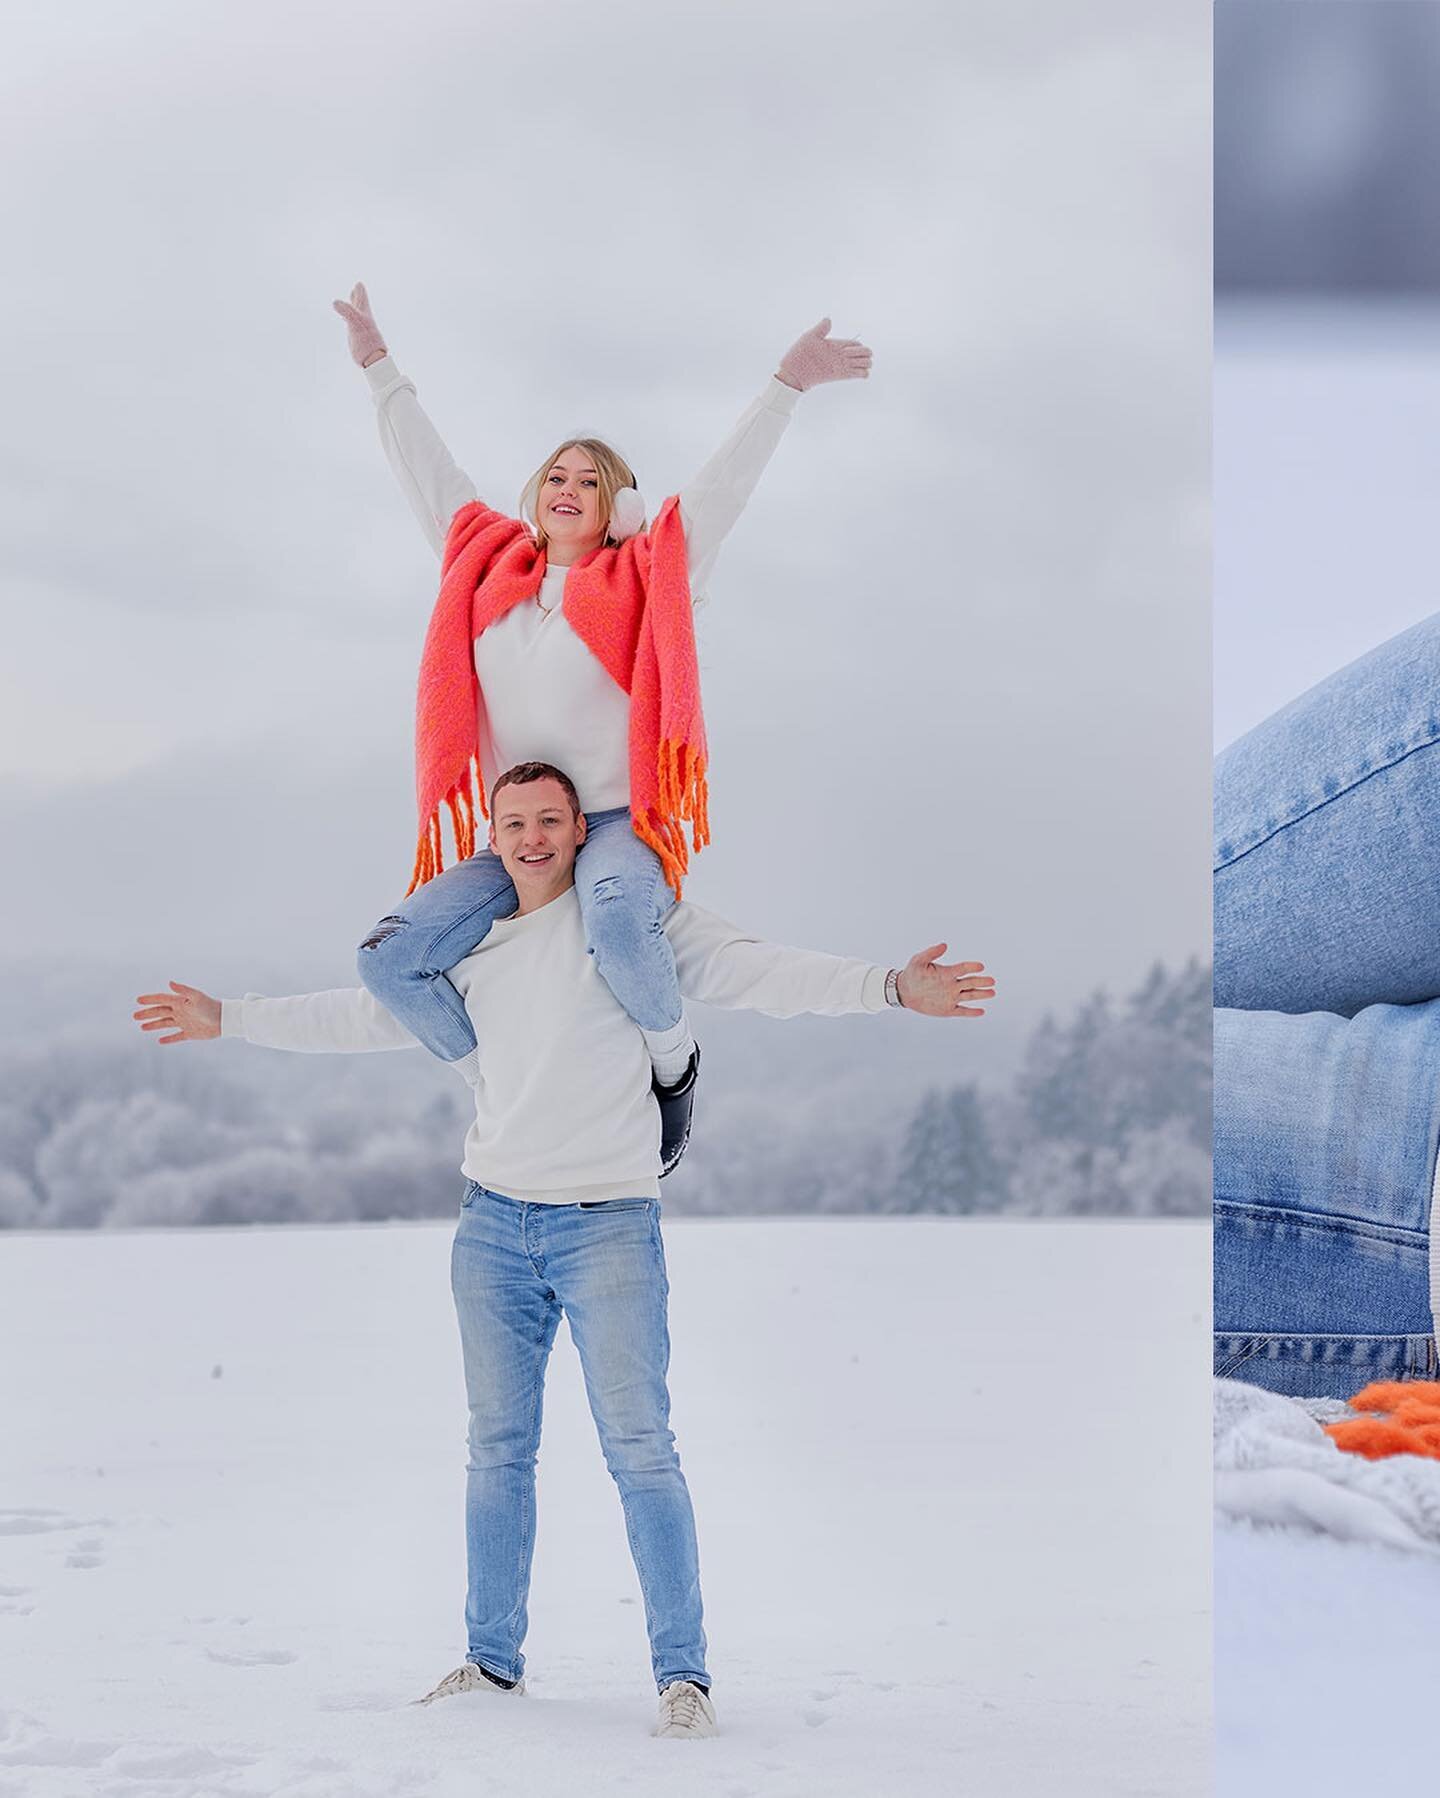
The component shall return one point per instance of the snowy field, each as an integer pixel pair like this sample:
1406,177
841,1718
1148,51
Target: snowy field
1327,1662
951,1479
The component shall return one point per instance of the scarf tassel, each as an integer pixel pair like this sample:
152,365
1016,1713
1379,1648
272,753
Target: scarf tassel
462,801
683,797
684,794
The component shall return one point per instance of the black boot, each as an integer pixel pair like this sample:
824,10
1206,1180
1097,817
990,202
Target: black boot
676,1105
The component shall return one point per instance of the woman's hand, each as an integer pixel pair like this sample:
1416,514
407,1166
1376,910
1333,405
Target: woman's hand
366,343
942,992
194,1016
818,357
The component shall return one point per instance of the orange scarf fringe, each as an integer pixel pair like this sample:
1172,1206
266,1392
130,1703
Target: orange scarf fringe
1408,1422
684,797
462,802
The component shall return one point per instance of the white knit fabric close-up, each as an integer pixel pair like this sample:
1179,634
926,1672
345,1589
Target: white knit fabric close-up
1275,1465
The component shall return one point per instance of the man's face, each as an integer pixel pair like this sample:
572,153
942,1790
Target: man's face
536,834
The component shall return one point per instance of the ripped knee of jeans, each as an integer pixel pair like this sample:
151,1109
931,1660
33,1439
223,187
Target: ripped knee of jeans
617,926
383,931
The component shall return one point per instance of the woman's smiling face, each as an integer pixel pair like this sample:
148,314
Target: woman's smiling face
569,502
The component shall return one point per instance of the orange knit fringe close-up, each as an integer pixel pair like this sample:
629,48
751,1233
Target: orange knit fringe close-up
1408,1421
684,796
462,801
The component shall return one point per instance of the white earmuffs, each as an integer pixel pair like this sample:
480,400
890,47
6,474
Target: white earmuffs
627,515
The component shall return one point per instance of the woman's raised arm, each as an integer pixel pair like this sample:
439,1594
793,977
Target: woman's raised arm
712,502
429,476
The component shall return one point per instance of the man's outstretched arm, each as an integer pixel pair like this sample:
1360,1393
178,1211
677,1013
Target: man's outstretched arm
345,1020
719,964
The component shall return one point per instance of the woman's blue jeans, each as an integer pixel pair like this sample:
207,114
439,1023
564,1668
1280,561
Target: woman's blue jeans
1327,1029
514,1269
624,900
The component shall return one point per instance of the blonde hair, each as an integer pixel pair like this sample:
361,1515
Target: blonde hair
612,472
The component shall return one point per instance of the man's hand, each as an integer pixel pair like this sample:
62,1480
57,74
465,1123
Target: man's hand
366,343
818,357
193,1016
956,991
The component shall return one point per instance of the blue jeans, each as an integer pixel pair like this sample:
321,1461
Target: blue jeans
514,1268
624,900
1327,1029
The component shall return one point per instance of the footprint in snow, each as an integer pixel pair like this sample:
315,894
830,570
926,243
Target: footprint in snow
253,1657
31,1520
32,1747
148,1761
361,1701
34,1522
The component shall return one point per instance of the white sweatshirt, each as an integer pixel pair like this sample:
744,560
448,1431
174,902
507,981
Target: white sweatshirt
563,1106
544,696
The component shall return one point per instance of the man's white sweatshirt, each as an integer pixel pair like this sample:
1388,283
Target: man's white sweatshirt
544,696
563,1106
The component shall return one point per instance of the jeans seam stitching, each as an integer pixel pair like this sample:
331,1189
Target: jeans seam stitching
1310,810
1335,1223
1258,1336
527,1538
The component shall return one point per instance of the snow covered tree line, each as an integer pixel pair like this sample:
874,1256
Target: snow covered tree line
1108,1115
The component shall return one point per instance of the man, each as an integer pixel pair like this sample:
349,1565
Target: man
561,1210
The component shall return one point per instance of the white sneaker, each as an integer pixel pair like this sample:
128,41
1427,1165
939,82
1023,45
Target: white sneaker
469,1678
686,1712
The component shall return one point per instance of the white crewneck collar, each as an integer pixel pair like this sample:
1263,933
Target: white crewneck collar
518,918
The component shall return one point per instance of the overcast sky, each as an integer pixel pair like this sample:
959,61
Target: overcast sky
957,659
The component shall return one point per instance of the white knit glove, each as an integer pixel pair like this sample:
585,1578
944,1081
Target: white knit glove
366,343
818,357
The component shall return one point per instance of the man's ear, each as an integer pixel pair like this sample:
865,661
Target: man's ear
582,829
491,838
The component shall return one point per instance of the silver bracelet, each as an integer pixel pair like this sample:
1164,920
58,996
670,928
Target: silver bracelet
892,988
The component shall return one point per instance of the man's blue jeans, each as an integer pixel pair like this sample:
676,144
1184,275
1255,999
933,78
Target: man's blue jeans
1327,1029
514,1269
624,900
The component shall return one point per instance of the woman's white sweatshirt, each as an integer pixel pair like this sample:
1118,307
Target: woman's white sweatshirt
544,696
563,1105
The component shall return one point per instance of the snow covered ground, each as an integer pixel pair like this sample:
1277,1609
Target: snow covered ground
1327,1662
951,1479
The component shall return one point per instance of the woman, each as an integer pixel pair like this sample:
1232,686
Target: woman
545,695
1327,1031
